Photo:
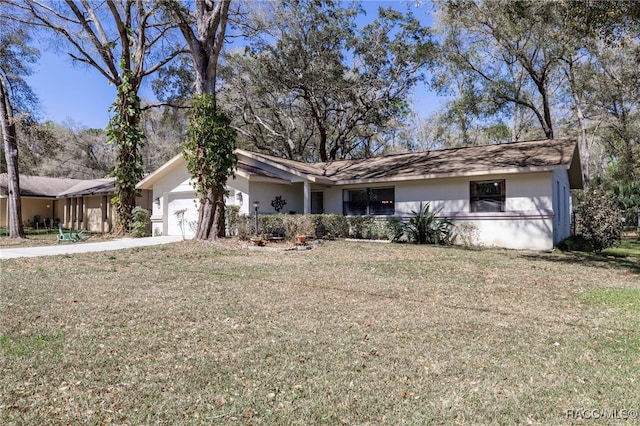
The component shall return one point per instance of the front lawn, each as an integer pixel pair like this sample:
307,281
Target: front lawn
346,333
628,247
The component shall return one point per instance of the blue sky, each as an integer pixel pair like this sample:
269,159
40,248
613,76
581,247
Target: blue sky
79,94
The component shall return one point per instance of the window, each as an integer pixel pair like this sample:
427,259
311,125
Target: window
369,201
487,196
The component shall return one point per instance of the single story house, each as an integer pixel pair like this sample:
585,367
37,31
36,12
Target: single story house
74,203
516,195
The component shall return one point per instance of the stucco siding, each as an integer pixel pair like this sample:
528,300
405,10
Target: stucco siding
521,234
264,192
30,208
561,205
526,223
529,192
442,194
94,214
177,181
240,185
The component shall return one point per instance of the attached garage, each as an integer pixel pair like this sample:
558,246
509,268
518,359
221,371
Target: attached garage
187,221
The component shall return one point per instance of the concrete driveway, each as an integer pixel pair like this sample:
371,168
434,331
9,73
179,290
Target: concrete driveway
70,248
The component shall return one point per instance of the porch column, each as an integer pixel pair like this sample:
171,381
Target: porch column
307,197
109,217
165,213
74,212
85,220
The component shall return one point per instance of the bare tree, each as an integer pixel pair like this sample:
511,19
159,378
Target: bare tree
15,55
8,126
125,41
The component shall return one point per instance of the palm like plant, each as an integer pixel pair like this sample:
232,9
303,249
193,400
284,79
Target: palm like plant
426,228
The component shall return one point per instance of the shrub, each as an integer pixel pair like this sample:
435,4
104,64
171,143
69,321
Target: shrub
272,225
575,243
246,227
231,215
425,228
140,223
286,225
395,229
331,225
356,226
601,220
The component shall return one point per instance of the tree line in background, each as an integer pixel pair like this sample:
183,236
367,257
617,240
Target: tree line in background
321,80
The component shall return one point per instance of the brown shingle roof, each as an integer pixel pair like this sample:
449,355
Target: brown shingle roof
91,187
255,171
501,158
38,186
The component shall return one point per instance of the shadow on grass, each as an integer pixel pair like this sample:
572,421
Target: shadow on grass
630,264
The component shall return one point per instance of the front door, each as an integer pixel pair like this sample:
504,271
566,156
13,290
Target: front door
317,202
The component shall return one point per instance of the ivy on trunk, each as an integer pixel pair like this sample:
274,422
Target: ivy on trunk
210,159
124,131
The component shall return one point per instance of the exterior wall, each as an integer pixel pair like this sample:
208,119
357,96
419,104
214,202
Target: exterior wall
524,192
561,205
239,185
93,214
265,192
75,212
526,223
528,233
163,208
31,207
174,192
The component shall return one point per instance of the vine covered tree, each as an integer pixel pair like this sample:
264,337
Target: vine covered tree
210,141
125,41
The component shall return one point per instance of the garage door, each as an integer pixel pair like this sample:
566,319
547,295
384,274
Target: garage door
178,202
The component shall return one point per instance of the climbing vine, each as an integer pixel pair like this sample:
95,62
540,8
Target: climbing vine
208,151
124,131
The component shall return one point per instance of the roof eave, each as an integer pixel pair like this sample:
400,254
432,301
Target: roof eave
511,170
153,177
282,167
256,178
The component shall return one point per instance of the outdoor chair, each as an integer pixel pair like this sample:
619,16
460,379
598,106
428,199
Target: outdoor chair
79,237
62,237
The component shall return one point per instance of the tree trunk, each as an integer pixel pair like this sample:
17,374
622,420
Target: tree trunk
206,214
124,130
583,142
218,225
16,230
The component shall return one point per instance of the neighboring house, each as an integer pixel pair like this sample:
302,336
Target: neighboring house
516,195
74,203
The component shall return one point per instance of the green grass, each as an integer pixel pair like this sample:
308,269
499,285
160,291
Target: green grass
629,247
622,298
347,333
